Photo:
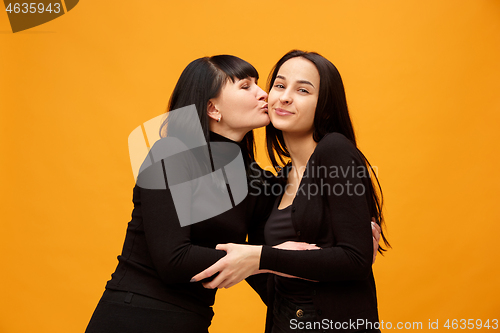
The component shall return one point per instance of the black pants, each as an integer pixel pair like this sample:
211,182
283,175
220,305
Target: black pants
125,312
292,318
297,318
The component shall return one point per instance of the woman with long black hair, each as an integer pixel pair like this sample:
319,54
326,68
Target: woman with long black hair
328,197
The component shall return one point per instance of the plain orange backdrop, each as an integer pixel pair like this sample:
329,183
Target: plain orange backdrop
422,82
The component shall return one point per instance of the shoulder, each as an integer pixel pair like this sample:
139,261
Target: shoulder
260,179
168,157
166,147
334,149
336,145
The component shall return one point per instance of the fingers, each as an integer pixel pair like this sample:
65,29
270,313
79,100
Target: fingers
307,246
229,285
218,266
376,238
223,247
220,281
375,249
376,231
291,245
297,246
215,283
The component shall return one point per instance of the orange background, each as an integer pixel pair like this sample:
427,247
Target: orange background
422,81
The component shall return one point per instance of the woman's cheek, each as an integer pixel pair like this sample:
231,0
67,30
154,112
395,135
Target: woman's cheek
271,99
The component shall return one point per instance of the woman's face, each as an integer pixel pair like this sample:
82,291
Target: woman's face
293,97
243,106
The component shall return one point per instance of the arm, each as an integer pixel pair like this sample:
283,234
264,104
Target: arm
175,258
232,270
260,212
173,255
245,259
241,262
352,255
355,248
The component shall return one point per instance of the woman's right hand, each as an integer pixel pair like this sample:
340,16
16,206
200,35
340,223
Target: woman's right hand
376,231
300,246
291,245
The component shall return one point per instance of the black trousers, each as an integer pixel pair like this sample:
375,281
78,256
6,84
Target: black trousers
125,312
292,318
299,318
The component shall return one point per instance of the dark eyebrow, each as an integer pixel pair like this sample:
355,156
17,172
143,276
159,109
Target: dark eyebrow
299,81
305,82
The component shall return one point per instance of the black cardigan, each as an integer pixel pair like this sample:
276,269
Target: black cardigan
339,223
159,257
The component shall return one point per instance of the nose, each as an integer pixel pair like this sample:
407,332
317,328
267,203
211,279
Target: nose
285,97
261,95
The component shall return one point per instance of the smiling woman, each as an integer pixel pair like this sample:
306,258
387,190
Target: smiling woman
311,126
293,99
298,81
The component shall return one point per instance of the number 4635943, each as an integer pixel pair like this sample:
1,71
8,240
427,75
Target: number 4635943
471,324
33,8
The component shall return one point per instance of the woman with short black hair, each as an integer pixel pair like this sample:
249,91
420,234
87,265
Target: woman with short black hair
150,290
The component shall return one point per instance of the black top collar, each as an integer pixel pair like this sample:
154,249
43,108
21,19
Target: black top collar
219,138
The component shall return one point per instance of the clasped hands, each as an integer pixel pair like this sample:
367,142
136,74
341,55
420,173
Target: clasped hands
243,260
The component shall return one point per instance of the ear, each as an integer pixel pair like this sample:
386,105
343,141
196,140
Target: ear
212,111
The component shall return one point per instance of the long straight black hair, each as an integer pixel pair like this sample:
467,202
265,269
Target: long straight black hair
331,115
202,80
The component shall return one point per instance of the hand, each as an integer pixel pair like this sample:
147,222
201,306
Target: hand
240,262
376,237
291,245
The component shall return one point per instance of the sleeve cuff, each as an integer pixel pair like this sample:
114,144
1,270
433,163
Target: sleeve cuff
268,258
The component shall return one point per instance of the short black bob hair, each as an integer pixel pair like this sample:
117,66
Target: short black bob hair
202,80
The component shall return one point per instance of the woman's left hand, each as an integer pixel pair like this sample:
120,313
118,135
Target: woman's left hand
240,262
376,231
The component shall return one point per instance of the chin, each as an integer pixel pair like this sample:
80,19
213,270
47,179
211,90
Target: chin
281,125
265,121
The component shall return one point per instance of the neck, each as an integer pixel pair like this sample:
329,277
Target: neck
300,147
230,133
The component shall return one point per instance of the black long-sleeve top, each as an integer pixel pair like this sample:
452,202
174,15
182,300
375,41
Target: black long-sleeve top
332,209
159,257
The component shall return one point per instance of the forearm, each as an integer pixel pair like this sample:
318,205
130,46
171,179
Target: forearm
329,264
345,217
174,256
181,266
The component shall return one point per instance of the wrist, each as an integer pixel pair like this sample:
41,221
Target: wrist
257,255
